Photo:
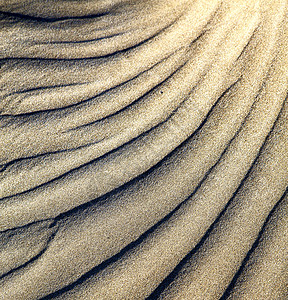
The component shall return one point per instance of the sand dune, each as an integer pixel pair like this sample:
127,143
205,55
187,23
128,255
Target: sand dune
143,149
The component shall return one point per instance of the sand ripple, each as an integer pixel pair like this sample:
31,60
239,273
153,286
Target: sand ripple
144,149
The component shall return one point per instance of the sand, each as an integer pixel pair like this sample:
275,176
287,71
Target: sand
143,149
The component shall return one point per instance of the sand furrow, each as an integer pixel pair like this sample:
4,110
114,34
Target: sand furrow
143,149
90,37
175,125
157,254
85,154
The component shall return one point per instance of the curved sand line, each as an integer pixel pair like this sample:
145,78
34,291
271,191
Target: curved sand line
144,149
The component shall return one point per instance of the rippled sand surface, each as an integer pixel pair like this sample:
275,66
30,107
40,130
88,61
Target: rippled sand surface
143,149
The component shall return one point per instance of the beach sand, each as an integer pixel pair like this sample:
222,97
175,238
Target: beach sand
143,149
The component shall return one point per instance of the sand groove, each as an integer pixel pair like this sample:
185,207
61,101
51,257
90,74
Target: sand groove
144,149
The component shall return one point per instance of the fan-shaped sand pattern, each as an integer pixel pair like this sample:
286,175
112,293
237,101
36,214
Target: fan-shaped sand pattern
144,149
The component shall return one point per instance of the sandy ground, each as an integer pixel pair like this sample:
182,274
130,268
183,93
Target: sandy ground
143,149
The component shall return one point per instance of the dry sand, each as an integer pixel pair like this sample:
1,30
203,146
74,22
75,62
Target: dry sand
143,149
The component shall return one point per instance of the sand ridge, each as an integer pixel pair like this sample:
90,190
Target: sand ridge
143,149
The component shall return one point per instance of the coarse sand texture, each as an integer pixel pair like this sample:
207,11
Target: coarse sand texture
143,149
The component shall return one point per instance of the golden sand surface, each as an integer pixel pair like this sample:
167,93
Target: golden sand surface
143,149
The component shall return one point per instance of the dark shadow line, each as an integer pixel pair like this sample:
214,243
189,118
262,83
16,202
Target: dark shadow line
131,245
121,51
232,284
29,224
36,257
106,56
115,257
102,198
169,279
74,105
248,42
112,88
83,41
130,104
5,166
42,88
52,20
138,241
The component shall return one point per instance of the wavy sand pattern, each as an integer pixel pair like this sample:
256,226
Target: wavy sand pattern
143,149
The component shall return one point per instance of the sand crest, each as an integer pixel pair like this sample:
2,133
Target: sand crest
143,149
